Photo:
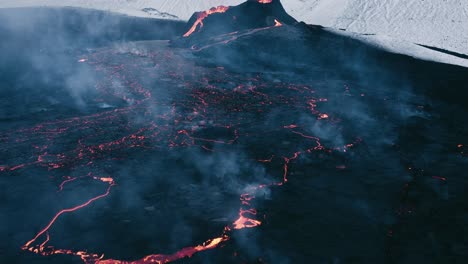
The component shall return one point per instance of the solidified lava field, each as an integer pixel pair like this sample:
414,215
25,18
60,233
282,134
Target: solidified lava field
150,155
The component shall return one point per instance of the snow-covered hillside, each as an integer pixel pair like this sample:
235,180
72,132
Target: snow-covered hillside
437,23
393,24
177,9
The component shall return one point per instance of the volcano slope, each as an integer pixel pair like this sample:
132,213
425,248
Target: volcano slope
278,143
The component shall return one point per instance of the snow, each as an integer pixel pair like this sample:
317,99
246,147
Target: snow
398,25
395,25
182,9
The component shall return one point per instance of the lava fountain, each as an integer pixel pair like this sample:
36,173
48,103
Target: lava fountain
202,15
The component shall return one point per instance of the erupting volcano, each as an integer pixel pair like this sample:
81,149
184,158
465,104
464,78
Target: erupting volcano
249,15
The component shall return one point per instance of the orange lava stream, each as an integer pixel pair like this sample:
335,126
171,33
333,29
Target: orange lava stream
202,15
160,259
265,1
245,222
69,179
230,37
42,249
277,23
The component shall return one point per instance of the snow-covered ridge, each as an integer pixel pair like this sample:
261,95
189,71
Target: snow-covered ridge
442,24
394,24
176,9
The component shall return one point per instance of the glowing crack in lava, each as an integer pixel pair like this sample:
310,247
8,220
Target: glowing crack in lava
277,23
183,253
211,99
202,15
230,37
42,249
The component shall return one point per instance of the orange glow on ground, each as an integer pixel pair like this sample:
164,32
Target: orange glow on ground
245,222
160,258
277,23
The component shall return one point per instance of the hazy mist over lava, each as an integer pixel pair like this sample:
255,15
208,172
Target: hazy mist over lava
268,139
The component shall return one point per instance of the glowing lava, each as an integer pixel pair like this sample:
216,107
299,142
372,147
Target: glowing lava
265,1
160,259
277,23
207,104
245,222
202,15
45,251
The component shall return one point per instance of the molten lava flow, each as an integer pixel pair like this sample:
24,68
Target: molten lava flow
202,15
42,249
244,221
277,23
208,104
232,36
160,259
265,1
